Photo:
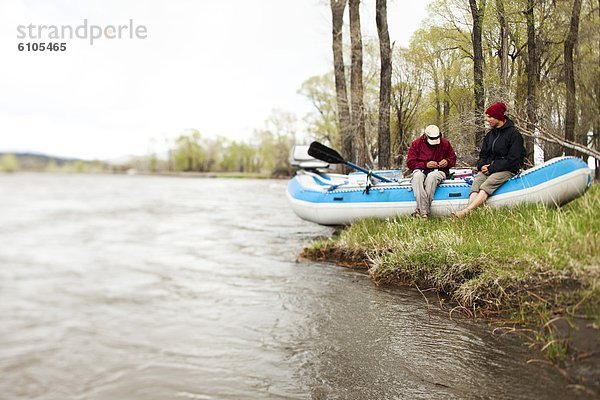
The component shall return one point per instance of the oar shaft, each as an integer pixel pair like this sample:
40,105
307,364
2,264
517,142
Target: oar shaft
381,178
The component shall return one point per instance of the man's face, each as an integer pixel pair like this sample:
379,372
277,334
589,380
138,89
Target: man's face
493,121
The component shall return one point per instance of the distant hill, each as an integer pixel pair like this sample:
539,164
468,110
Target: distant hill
44,162
42,159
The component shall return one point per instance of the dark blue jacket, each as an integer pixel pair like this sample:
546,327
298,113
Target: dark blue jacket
502,149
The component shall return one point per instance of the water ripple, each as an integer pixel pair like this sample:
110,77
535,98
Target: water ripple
152,287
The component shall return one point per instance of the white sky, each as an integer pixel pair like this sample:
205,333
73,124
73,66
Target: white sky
220,66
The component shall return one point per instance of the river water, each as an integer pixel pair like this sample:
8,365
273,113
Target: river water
138,287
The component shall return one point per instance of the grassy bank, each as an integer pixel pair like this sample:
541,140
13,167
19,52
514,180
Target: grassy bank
534,268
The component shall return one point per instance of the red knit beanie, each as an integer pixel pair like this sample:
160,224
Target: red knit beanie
497,111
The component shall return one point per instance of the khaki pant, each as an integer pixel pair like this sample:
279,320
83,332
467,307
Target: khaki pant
424,188
489,183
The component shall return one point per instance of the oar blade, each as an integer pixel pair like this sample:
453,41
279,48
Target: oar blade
324,153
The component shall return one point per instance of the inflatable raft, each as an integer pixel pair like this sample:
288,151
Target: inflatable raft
335,199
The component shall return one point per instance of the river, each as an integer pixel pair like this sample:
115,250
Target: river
147,287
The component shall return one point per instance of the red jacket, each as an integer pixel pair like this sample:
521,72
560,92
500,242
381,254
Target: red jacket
421,152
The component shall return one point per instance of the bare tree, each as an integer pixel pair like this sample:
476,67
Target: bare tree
356,84
337,13
570,41
385,85
405,102
504,32
406,99
533,77
478,13
549,136
596,137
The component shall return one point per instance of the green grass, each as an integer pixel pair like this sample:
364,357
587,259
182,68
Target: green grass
500,260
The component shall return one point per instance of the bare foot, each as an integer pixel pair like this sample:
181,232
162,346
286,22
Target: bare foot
459,214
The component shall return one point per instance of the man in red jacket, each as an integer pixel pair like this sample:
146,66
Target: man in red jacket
430,157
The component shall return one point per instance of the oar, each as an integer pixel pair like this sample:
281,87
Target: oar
324,153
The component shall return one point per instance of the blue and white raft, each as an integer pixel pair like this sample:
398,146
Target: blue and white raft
335,199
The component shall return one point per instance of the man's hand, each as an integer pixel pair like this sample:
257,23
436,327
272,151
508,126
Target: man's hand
443,163
485,169
432,164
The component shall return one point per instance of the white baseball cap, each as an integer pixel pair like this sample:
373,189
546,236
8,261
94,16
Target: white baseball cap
433,134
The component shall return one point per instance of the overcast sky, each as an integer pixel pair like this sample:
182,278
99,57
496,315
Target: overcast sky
220,66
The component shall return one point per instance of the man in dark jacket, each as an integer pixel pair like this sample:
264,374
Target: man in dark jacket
501,157
430,157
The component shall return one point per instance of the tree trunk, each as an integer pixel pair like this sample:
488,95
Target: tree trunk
478,13
446,103
385,85
533,74
356,85
438,99
337,13
596,138
570,41
596,146
400,135
503,45
400,145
